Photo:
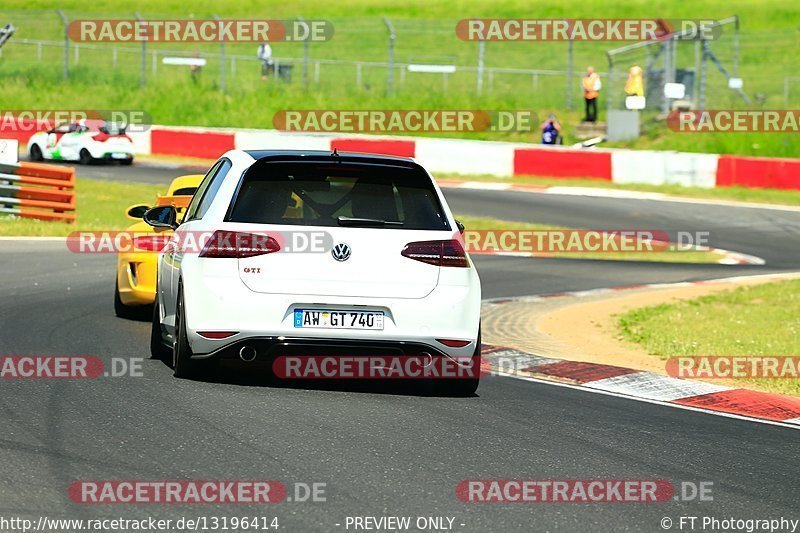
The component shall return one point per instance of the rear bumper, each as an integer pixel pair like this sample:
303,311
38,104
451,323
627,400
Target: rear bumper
225,304
268,348
105,151
136,278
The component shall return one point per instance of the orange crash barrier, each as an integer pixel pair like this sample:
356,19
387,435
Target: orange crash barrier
35,190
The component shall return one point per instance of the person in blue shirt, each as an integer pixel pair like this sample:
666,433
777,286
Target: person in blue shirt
551,131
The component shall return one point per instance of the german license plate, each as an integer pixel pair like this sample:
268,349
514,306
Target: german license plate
119,156
319,318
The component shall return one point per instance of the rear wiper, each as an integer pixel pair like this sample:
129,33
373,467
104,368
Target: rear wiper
352,221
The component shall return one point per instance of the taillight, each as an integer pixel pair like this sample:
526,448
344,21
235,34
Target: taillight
217,335
440,253
453,343
238,244
101,137
151,243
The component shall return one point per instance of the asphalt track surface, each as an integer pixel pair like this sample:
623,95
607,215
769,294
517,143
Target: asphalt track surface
381,451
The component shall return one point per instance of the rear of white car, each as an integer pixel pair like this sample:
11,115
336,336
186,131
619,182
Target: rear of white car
354,254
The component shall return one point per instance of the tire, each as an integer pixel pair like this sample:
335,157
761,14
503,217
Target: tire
120,309
36,153
157,348
126,162
183,365
85,157
463,387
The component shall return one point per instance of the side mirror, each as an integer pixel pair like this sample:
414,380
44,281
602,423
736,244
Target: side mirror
137,211
460,226
162,216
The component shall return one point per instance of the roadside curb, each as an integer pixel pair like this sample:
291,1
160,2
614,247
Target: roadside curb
639,384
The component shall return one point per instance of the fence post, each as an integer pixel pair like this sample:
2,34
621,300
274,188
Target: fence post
609,90
736,48
569,74
668,73
305,51
65,20
221,59
481,51
142,78
390,76
702,96
696,84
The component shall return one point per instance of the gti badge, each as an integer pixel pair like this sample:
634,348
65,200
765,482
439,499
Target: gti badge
341,252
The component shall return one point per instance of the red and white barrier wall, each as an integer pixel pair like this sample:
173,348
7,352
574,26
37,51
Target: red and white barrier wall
501,159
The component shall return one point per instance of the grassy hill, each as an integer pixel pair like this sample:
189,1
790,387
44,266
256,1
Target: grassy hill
102,78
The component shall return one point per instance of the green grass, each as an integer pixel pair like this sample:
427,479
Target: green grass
758,320
101,205
739,194
424,28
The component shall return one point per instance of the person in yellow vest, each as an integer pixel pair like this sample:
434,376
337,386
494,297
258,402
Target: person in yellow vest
635,85
591,90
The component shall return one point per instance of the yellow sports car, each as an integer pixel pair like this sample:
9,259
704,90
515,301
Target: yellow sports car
136,269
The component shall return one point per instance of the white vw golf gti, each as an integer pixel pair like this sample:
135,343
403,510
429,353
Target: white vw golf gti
315,253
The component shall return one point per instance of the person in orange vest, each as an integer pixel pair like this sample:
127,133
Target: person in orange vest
635,84
591,90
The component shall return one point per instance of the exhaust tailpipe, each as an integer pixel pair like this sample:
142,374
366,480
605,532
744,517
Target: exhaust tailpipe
427,359
247,353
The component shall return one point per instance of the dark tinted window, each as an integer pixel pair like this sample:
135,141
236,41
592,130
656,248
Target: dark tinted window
186,191
317,194
207,190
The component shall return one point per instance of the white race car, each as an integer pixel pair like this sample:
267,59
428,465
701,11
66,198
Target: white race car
82,142
393,278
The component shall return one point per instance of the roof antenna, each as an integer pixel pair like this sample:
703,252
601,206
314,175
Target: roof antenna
335,153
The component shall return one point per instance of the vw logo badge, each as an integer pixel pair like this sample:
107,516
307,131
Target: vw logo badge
341,252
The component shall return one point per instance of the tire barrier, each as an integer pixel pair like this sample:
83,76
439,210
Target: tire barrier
34,190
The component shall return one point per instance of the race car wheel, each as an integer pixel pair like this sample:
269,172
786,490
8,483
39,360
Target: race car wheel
463,387
126,162
157,348
85,157
182,363
36,153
